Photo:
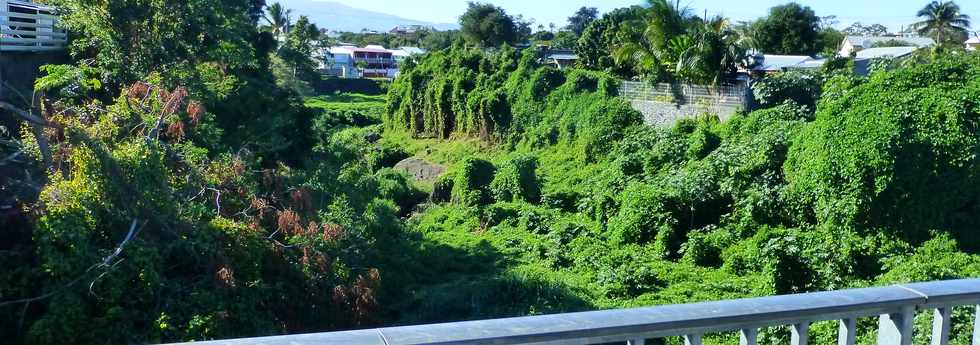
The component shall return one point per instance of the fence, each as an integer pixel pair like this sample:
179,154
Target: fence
29,27
894,307
663,104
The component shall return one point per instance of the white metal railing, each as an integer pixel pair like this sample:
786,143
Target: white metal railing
645,91
26,26
894,307
375,60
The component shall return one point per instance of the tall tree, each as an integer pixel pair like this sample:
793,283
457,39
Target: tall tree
581,19
943,22
789,29
300,46
714,54
602,36
279,19
486,25
656,40
522,28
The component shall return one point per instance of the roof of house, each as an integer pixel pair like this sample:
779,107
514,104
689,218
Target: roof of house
562,57
868,41
776,63
412,50
974,38
353,49
885,52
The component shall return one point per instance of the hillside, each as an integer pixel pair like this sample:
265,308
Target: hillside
338,17
180,180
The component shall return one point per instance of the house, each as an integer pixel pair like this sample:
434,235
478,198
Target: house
973,43
770,63
853,44
406,29
372,61
559,58
864,58
884,53
406,52
26,26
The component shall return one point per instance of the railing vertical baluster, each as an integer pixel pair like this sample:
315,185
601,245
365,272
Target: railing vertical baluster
748,336
800,333
638,341
896,328
692,339
940,325
845,335
976,327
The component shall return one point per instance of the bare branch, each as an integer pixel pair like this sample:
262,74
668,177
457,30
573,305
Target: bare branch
105,263
27,116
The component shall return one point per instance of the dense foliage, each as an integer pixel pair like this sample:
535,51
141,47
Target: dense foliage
486,25
184,191
790,198
667,43
790,29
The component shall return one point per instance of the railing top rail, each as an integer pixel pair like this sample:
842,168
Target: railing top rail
659,321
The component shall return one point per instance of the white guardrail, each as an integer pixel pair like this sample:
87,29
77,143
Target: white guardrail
26,26
894,306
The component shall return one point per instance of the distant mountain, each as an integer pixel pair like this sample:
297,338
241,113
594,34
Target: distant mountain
339,17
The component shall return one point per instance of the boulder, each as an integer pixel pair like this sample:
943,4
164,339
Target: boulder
420,169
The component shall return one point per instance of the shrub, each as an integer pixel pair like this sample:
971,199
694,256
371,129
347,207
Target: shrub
472,177
516,180
879,151
642,216
798,86
442,188
386,156
397,186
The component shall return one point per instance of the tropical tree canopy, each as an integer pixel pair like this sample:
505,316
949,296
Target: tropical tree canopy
581,19
279,19
603,36
790,29
657,39
943,22
714,54
486,25
672,44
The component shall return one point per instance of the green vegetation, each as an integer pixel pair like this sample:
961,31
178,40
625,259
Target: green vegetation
486,25
789,29
790,198
943,21
178,187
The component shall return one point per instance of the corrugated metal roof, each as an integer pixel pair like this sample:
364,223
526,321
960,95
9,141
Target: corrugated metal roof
563,57
776,63
885,52
868,41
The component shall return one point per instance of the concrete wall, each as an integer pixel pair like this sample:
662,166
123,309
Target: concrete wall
665,104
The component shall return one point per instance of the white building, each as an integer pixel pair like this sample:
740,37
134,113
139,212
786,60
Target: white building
854,44
770,63
372,61
973,43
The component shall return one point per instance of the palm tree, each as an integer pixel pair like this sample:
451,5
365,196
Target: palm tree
656,40
943,22
279,19
714,54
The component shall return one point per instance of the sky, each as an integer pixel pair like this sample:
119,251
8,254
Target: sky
891,13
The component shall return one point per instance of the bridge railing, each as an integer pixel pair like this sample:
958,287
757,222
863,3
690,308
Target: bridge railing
26,26
894,307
